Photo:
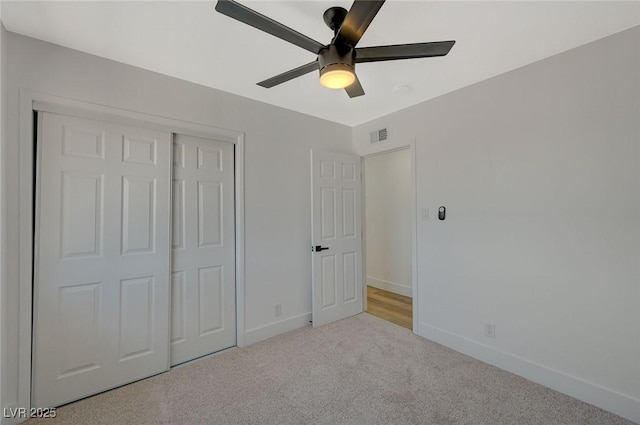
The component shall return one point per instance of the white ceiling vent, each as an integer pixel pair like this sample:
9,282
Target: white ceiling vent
378,136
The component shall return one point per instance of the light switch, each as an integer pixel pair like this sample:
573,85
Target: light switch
424,214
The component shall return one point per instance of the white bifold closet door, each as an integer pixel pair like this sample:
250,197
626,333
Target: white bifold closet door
102,266
203,270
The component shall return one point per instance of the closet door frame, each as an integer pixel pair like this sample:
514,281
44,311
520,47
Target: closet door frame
35,101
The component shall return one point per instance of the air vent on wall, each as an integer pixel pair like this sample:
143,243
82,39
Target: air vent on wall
378,136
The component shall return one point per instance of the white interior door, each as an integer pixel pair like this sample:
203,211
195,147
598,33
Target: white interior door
101,289
203,271
336,236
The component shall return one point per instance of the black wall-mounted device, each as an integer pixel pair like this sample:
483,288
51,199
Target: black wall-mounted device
442,211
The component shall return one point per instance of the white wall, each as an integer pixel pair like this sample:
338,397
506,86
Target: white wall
539,169
387,181
277,175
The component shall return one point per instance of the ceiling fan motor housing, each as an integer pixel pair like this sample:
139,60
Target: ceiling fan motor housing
336,57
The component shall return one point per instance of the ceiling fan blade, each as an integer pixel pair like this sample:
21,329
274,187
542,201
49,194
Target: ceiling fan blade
403,51
290,75
355,89
250,17
357,21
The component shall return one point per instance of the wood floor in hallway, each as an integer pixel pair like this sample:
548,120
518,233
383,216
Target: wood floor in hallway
395,308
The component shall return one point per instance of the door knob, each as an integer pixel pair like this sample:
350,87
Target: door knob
319,248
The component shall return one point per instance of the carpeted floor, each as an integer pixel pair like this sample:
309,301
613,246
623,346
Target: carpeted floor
361,370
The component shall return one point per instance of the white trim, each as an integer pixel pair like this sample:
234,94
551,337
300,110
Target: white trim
239,216
414,234
363,232
414,226
122,116
276,328
11,421
51,103
394,287
25,250
621,404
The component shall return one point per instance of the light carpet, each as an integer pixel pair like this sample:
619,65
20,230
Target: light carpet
361,370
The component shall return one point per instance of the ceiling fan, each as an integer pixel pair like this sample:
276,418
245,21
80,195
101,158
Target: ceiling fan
336,61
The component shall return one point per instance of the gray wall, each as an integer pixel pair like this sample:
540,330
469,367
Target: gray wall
277,198
539,170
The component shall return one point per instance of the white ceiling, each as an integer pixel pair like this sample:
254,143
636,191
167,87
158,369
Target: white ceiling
191,41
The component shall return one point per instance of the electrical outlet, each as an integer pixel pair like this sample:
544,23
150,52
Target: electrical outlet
277,310
490,330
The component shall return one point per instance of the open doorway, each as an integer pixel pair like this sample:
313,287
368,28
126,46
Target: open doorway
388,241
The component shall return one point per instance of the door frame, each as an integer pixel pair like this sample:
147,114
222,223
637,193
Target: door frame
414,227
30,101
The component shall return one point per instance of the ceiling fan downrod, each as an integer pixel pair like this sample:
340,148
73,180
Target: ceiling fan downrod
334,17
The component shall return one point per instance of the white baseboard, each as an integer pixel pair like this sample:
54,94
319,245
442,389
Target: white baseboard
276,328
396,288
621,404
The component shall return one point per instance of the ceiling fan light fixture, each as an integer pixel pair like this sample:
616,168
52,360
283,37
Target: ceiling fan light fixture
337,76
336,67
